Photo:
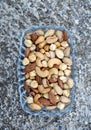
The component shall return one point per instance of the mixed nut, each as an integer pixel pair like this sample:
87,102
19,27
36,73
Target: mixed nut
47,69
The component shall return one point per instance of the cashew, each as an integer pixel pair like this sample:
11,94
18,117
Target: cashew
60,105
32,57
39,40
63,78
53,61
29,99
38,62
50,32
64,44
37,96
42,73
67,61
43,90
53,71
34,84
67,51
35,106
59,35
44,63
39,32
65,100
32,48
62,66
66,93
52,39
70,83
40,55
32,73
58,90
59,53
52,47
42,44
28,43
25,61
67,72
52,54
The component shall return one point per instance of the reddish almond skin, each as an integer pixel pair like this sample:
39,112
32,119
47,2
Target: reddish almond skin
44,101
56,66
65,36
52,98
34,90
29,67
37,48
26,87
53,80
60,83
32,93
27,51
34,37
38,79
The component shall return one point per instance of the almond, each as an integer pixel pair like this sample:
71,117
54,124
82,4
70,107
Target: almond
38,79
44,101
60,83
32,94
34,37
65,36
53,80
29,67
27,51
56,66
26,87
52,98
34,90
37,48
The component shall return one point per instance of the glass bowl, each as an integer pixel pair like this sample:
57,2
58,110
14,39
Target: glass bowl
21,78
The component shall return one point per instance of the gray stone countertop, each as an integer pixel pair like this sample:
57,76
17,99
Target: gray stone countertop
16,15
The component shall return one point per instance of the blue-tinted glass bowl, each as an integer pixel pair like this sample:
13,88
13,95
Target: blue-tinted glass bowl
21,78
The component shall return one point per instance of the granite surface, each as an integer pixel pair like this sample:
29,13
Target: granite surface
16,15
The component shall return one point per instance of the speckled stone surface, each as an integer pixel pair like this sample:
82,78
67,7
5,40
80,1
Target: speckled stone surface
16,15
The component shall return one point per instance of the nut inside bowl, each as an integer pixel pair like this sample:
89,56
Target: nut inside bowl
57,97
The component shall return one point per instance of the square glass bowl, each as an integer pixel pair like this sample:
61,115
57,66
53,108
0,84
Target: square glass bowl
21,78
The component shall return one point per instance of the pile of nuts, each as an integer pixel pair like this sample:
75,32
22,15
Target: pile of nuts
47,69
